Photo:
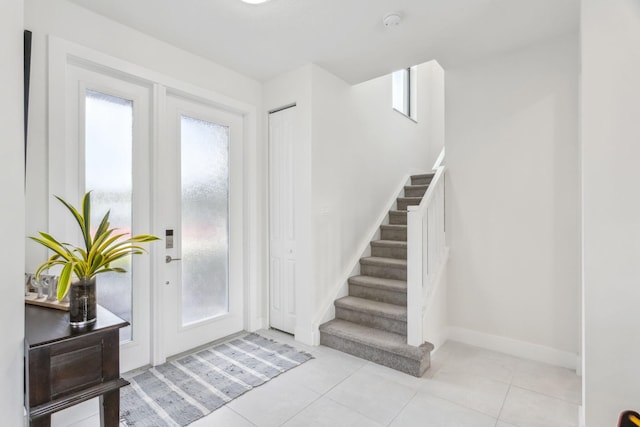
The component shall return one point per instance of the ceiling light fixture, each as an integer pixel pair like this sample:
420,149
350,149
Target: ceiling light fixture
392,20
255,1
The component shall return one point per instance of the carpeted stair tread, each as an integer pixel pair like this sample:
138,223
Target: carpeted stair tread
403,203
424,176
415,200
389,248
386,341
380,309
384,262
391,291
399,227
390,243
415,190
379,282
398,217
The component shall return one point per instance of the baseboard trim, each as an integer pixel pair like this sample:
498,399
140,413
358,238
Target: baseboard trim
514,347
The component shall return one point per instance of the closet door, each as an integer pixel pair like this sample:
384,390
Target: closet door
282,251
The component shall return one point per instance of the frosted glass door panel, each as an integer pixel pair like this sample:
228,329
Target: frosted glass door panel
205,226
108,174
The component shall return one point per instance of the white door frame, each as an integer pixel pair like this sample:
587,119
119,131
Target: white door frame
62,53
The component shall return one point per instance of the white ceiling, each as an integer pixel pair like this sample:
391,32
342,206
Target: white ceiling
346,37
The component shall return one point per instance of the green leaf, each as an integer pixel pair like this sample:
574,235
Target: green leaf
75,214
102,228
143,238
86,213
64,281
53,245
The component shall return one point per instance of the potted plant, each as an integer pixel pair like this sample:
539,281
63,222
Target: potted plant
95,256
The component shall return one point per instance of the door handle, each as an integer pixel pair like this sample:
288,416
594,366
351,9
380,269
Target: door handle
168,259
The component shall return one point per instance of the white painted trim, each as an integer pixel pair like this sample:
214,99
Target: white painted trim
327,309
439,160
581,416
158,349
579,365
514,347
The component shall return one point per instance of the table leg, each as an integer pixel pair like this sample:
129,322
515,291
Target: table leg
110,409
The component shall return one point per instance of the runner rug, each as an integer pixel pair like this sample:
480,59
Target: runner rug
178,393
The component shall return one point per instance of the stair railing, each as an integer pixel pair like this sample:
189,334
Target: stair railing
426,251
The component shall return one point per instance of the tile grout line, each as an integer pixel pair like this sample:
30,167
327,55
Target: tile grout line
546,395
403,408
320,396
457,403
301,410
347,407
503,403
235,412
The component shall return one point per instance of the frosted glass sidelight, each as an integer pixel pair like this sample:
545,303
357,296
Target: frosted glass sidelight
108,173
205,225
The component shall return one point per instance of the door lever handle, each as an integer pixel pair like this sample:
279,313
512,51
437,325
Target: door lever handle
168,259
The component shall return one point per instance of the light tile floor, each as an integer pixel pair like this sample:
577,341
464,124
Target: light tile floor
466,386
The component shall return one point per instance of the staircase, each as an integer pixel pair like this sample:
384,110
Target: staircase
371,322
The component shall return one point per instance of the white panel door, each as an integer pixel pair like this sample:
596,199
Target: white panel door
200,174
282,251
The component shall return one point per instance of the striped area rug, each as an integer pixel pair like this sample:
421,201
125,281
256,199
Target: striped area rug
178,393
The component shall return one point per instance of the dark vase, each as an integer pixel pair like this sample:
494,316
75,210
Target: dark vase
82,303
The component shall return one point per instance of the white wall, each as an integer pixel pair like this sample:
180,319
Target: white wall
73,23
11,213
611,208
513,199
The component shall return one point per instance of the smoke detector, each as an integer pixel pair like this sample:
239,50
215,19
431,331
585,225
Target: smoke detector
392,20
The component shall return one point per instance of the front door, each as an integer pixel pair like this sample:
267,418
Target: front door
199,174
109,140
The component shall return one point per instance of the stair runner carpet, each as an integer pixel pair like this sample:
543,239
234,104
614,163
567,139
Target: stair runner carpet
371,322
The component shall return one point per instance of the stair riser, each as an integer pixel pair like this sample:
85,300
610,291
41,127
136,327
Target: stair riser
376,294
383,272
394,234
398,218
414,192
409,366
387,252
421,181
372,321
402,204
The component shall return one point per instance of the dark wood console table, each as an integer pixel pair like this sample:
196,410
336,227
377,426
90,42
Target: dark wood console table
65,366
